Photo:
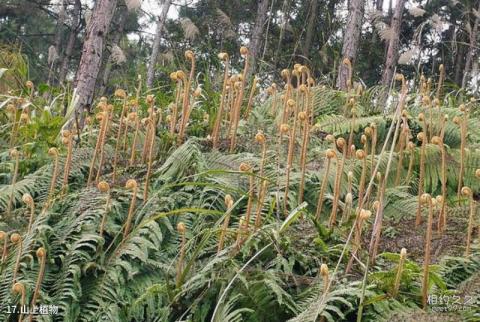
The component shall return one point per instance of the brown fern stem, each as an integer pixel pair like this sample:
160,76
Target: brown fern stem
426,199
467,192
16,155
41,255
121,120
338,179
4,238
181,230
398,275
223,98
16,239
321,196
422,137
68,140
131,185
229,205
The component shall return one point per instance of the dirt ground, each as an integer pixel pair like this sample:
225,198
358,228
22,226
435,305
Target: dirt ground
452,242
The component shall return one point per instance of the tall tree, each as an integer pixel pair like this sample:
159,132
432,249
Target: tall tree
472,46
351,39
312,15
72,37
285,18
92,52
256,38
156,42
115,40
57,43
393,43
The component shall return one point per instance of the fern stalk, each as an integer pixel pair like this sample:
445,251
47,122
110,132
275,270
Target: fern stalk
13,135
181,230
16,155
443,178
4,238
402,142
423,138
398,275
16,239
303,117
427,200
321,196
377,227
104,187
373,126
441,79
273,94
53,152
109,110
239,99
291,147
19,288
352,121
68,141
463,138
146,144
28,200
362,216
102,117
467,192
218,120
338,179
362,155
250,97
229,204
41,255
411,150
178,77
131,185
189,55
150,157
121,120
246,168
134,142
261,199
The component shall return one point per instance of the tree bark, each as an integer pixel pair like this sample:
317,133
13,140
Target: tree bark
92,52
351,40
471,50
310,26
74,29
120,26
256,37
393,44
156,42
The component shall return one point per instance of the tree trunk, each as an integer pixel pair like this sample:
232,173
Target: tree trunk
156,42
92,52
256,37
471,50
120,26
459,60
312,12
57,40
351,40
393,44
285,11
74,29
379,5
